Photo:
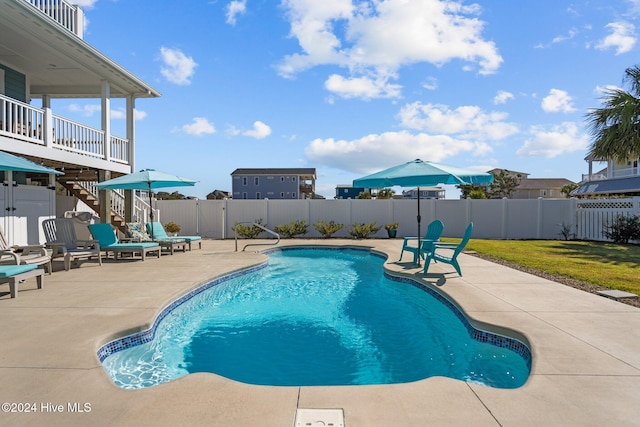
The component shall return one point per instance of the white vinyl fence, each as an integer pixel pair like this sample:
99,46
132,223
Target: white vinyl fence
493,219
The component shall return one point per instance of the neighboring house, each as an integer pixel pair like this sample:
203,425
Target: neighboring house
535,188
344,191
617,179
425,193
274,183
43,57
219,195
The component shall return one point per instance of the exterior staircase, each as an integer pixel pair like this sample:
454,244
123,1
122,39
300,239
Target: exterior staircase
89,198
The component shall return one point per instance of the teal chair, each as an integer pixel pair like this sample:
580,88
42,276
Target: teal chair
137,233
434,231
106,237
158,232
453,258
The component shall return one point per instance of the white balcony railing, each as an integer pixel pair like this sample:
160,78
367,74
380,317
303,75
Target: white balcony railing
68,15
625,172
24,122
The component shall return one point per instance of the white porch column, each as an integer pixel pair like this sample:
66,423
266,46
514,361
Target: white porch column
131,131
106,118
47,121
129,195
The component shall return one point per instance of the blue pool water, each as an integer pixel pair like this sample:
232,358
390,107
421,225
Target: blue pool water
318,317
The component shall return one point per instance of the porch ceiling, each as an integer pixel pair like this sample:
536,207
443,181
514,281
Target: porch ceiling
58,62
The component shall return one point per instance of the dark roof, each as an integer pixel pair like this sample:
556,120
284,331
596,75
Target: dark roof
609,186
508,172
542,183
274,171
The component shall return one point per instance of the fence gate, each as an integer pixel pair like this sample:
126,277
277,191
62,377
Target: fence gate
593,215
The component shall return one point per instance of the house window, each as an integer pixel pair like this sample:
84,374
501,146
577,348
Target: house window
282,179
293,179
282,195
543,193
245,180
258,195
245,196
293,195
256,180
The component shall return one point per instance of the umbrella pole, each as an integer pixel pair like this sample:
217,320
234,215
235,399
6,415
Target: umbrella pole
419,218
151,210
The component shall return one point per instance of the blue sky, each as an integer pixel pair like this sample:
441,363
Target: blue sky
350,87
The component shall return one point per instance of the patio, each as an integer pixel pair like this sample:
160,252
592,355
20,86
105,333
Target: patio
586,352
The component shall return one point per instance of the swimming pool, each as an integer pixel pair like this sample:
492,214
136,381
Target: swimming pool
316,316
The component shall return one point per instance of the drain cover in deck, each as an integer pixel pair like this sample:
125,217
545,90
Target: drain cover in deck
319,418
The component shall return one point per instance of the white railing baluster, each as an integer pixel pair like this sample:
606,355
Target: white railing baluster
62,12
24,122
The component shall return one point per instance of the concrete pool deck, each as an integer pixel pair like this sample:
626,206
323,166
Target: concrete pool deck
586,352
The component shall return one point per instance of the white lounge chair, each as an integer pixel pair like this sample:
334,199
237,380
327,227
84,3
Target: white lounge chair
27,255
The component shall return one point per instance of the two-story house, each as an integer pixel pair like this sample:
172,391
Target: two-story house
274,183
617,179
43,58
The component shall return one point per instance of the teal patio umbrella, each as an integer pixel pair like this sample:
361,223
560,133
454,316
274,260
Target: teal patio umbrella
147,179
418,173
9,162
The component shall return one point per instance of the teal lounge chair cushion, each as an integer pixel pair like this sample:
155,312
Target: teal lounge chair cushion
160,233
103,233
12,270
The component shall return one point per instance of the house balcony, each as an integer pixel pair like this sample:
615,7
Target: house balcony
68,15
41,128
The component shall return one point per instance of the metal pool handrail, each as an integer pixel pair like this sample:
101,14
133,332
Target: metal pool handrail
257,244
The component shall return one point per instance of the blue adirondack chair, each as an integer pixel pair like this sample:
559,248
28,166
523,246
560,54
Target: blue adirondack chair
453,258
434,230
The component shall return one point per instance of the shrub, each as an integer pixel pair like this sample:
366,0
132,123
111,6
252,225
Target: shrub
171,227
248,231
362,230
292,229
327,230
565,230
623,229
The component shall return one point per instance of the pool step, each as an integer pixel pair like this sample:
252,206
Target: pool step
319,418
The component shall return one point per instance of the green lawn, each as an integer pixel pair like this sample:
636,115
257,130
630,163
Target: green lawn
603,264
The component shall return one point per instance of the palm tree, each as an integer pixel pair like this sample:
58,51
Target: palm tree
616,126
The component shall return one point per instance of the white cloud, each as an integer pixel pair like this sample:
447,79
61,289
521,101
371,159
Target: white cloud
376,39
235,8
86,4
557,101
86,110
560,139
622,37
559,39
502,97
465,121
200,126
374,152
259,131
430,83
361,87
178,68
